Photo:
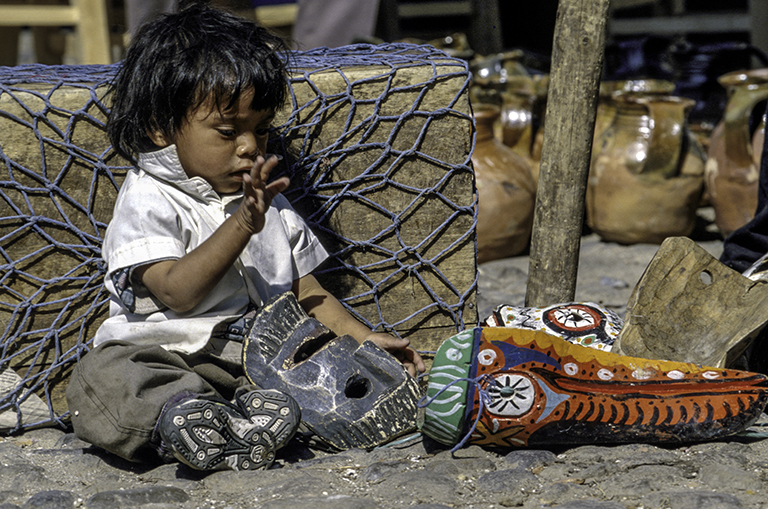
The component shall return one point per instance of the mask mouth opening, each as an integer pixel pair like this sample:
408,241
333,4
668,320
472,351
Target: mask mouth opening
312,346
357,387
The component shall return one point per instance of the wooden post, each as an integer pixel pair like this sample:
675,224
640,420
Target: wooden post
93,31
577,58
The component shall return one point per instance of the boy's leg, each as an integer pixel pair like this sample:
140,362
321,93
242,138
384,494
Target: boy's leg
139,401
117,391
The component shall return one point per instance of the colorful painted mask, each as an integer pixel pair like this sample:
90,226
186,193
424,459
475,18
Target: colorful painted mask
350,395
512,387
581,323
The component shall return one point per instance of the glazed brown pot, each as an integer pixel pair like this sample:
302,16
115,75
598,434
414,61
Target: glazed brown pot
733,164
646,178
522,98
506,192
606,106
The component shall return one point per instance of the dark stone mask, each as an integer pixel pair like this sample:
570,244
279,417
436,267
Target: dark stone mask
350,394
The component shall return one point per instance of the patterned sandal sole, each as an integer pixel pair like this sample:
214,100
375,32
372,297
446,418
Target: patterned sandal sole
202,435
272,410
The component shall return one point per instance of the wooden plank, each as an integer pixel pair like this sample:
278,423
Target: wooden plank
758,36
276,15
89,16
571,105
38,15
689,307
434,9
676,25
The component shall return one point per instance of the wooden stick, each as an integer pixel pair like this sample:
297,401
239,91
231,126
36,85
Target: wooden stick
577,58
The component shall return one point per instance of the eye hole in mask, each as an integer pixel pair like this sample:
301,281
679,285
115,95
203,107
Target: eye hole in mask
357,387
312,346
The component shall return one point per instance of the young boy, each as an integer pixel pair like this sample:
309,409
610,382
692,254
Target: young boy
199,240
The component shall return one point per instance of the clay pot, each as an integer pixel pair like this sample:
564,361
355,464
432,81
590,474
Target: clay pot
758,140
733,164
606,107
522,100
499,67
456,45
646,177
517,119
506,192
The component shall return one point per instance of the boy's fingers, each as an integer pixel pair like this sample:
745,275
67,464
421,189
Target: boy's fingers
260,174
400,348
263,167
278,186
247,185
256,170
390,343
267,166
414,359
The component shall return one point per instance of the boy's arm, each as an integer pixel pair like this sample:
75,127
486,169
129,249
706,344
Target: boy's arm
320,304
181,284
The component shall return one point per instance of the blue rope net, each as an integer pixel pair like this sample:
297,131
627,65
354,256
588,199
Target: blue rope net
379,150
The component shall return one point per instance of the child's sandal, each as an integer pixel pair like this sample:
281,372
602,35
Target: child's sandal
213,434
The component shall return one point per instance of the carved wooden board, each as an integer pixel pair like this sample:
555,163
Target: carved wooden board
689,307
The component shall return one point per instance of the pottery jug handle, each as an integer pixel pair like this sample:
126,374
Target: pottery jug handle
668,131
738,142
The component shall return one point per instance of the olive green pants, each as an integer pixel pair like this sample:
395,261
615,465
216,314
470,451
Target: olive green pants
117,391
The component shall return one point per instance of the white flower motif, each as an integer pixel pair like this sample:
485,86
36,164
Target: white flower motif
486,357
604,374
512,395
453,354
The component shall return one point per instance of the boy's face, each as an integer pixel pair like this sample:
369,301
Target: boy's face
221,145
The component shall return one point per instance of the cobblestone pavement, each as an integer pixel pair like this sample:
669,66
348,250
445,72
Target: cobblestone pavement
50,468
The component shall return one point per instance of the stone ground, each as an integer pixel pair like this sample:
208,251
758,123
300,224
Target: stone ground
49,468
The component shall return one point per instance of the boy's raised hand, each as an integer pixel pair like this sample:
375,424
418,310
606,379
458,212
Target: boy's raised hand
258,194
170,281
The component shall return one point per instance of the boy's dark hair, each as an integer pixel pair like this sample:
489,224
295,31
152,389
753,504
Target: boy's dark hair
177,61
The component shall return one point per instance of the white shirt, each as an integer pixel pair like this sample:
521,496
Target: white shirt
160,214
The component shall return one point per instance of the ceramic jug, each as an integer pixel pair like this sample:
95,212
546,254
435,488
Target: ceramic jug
499,67
606,106
506,192
647,176
522,100
733,164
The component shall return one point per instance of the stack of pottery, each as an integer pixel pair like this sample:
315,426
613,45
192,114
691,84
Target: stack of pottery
506,191
647,173
503,81
733,164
